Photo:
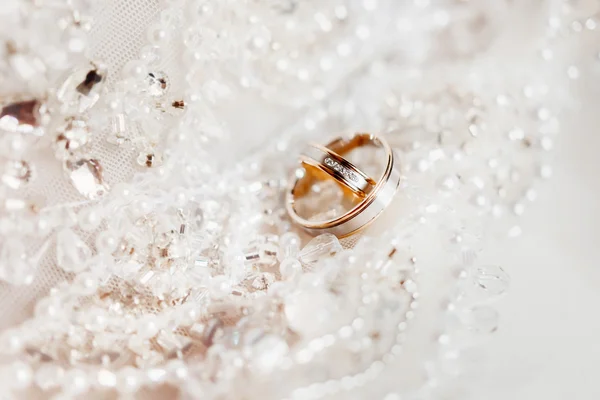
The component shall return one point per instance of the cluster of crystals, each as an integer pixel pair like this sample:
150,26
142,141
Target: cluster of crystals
341,169
141,108
48,88
191,276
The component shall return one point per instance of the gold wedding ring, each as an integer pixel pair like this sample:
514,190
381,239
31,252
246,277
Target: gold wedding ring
365,198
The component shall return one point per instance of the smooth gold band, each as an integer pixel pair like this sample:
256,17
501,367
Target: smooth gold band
374,196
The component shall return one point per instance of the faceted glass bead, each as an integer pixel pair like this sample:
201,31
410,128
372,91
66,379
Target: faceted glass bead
491,279
28,117
150,55
158,84
289,268
17,174
119,133
73,135
263,281
149,159
71,252
480,319
82,89
289,246
319,248
86,176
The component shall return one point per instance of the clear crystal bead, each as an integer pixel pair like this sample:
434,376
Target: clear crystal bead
71,252
480,319
491,279
319,248
15,267
119,134
17,174
73,135
28,117
86,177
158,84
268,352
82,89
48,376
263,281
289,268
149,159
289,246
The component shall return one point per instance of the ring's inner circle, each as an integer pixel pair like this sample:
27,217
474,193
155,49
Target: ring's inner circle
320,197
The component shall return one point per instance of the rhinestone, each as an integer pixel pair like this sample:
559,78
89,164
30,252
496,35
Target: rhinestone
86,177
73,135
158,84
82,89
28,117
149,160
17,174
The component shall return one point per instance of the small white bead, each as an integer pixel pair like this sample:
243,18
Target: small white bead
75,381
128,380
49,376
19,375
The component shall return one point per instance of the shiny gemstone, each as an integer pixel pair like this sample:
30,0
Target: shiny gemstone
71,251
86,177
263,281
73,135
491,279
28,117
119,133
319,248
17,174
149,159
158,84
82,89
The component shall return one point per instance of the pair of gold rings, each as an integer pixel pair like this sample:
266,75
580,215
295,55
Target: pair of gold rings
330,194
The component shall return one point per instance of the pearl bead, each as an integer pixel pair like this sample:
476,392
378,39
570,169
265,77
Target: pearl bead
128,380
177,370
86,283
148,327
157,34
106,379
19,376
106,242
48,376
89,219
135,69
11,342
75,381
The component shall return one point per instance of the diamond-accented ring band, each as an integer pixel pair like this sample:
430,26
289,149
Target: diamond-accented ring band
339,168
373,196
